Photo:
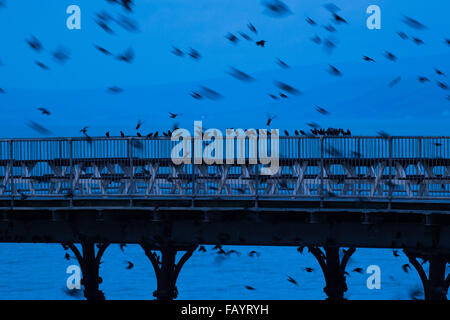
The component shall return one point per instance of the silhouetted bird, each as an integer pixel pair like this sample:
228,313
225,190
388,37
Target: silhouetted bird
442,85
423,79
286,133
130,265
329,28
194,54
282,64
390,56
253,253
38,128
107,134
316,39
334,71
240,75
44,111
67,256
210,94
102,24
102,50
127,56
173,115
395,253
249,288
115,89
122,246
196,95
292,280
139,124
122,134
406,267
42,65
245,36
34,43
366,58
270,119
383,134
282,95
418,41
310,21
232,38
61,55
261,43
308,269
177,52
276,8
394,82
322,110
402,35
287,88
252,28
358,270
338,19
439,72
413,23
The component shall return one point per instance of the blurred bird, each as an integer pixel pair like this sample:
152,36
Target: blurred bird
395,253
366,58
310,21
194,54
42,65
139,124
61,55
292,280
282,64
276,8
232,38
240,75
390,56
102,50
252,28
413,23
253,253
130,265
38,128
394,82
115,89
308,269
245,36
358,270
127,56
316,39
34,43
44,111
174,115
270,118
322,110
423,79
338,19
442,85
287,88
402,35
177,52
334,71
249,288
418,41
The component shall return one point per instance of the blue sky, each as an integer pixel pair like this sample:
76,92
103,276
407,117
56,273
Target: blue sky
158,82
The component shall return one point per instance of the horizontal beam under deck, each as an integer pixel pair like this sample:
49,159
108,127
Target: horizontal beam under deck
185,223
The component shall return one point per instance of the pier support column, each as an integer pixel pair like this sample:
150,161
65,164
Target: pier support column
167,269
90,263
333,269
435,285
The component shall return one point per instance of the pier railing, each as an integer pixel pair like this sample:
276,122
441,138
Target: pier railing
309,167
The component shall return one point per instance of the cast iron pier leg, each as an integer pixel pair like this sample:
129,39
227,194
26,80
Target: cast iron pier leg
90,263
333,270
167,269
435,285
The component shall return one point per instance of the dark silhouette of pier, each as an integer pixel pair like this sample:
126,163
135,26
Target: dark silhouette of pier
329,193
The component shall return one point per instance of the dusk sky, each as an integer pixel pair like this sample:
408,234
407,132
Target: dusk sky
159,82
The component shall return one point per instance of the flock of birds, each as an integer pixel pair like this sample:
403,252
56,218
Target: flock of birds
274,8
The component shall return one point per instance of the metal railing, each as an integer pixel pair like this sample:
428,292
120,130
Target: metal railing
320,167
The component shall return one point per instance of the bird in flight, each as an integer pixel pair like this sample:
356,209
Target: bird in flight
366,58
34,43
261,43
127,56
44,111
334,71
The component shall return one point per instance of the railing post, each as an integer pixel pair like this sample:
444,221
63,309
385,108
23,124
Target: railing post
321,171
71,177
193,168
11,173
130,155
390,173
